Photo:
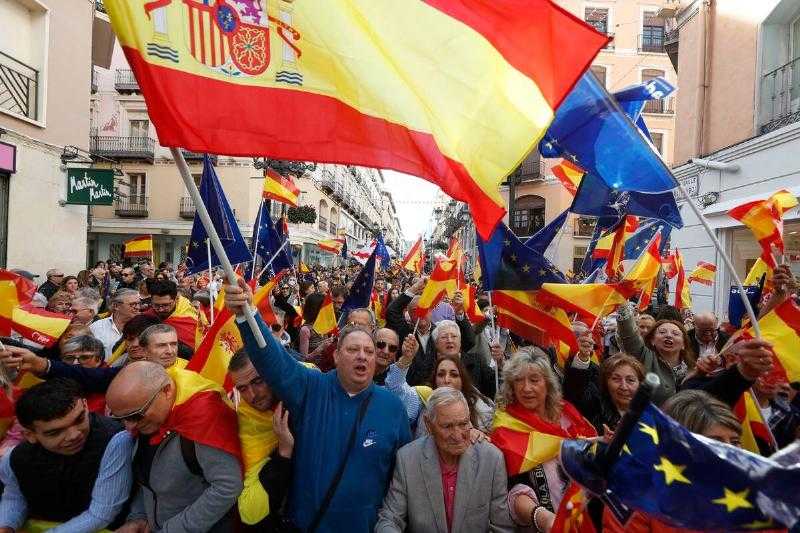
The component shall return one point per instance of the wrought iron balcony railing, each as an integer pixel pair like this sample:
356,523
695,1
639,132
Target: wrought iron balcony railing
780,97
186,207
134,206
123,147
19,87
125,81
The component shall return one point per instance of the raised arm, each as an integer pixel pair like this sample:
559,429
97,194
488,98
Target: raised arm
628,331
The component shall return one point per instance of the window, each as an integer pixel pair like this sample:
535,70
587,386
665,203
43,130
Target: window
653,106
597,17
115,251
652,39
599,73
578,253
528,217
584,226
139,128
138,188
658,142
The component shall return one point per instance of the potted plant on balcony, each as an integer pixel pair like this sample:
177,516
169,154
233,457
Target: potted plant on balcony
303,214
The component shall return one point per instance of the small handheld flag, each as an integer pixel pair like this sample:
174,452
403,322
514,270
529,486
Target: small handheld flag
280,188
141,246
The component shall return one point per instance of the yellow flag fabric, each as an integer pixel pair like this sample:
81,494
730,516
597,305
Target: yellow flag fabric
258,440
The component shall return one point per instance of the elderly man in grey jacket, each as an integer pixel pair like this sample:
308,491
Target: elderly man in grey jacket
442,483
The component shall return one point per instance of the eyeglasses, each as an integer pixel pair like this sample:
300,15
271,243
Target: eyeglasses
137,415
132,304
383,344
83,358
162,306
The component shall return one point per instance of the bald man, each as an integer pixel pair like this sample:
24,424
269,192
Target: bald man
706,337
188,478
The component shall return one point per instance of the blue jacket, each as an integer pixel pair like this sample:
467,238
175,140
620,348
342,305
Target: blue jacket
323,414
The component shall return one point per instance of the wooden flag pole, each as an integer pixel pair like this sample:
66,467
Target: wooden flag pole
202,212
728,263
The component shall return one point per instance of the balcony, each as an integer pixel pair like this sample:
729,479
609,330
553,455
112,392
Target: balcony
131,207
652,44
186,208
19,87
333,228
125,82
192,157
660,107
123,147
584,227
323,223
780,97
531,168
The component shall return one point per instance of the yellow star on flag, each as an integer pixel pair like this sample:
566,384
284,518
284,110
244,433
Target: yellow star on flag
649,430
760,524
672,472
626,449
734,500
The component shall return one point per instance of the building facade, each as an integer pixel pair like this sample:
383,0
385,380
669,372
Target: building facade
635,54
739,118
47,49
152,199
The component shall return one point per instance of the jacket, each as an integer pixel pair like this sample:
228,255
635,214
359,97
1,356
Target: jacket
722,339
415,501
582,389
323,416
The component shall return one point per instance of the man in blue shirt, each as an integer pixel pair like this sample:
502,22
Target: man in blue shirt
74,468
340,419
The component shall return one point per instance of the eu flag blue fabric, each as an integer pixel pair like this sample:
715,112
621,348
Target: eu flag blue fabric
344,248
224,222
637,243
507,264
633,99
591,130
267,240
540,240
596,198
361,290
689,481
382,253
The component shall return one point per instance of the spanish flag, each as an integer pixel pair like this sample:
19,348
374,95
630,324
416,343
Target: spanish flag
781,327
417,87
443,282
589,300
471,309
754,429
765,220
572,515
683,298
280,188
303,268
703,273
16,314
141,246
759,268
611,246
414,259
201,413
645,271
528,316
527,441
184,319
326,324
333,246
569,174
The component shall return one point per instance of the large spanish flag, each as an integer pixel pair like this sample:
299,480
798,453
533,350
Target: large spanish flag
765,219
455,92
16,313
141,246
528,316
781,327
443,282
280,188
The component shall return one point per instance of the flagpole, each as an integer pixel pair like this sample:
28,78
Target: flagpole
213,236
725,259
271,259
210,280
255,238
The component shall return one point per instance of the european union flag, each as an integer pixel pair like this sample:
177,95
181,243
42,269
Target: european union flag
591,130
596,198
507,264
344,247
633,99
603,225
736,309
540,240
361,290
382,253
689,481
637,243
267,240
224,222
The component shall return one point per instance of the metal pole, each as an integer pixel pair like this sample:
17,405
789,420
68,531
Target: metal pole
202,212
725,259
210,280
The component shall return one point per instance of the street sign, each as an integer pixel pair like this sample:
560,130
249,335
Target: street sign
90,186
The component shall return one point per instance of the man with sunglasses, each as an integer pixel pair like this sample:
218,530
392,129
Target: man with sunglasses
54,278
74,466
387,343
186,459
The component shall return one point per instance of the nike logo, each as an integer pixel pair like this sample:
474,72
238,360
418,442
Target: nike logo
368,443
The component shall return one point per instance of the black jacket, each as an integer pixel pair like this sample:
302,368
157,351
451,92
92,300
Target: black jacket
722,339
582,389
482,374
726,386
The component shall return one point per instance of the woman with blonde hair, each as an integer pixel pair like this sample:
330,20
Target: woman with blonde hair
533,411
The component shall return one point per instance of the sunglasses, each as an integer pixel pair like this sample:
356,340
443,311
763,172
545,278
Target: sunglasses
383,344
136,416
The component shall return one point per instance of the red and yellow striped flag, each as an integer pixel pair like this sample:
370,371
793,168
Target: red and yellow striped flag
303,268
16,314
683,297
754,428
280,188
443,282
589,300
781,327
333,246
765,219
378,84
569,174
141,246
611,246
326,324
413,260
760,268
703,273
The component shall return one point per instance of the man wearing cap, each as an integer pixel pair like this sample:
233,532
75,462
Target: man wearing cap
49,287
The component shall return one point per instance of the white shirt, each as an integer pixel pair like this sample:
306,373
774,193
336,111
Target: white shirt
106,331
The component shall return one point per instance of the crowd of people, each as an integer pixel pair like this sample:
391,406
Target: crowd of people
388,424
